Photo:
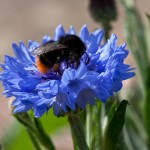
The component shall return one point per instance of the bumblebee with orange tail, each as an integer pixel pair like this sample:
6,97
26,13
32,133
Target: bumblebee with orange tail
68,48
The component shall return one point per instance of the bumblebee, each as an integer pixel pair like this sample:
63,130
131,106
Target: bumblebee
68,48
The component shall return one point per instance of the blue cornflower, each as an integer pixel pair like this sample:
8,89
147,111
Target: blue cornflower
75,87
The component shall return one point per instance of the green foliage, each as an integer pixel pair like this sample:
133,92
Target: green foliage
115,127
94,116
137,132
17,137
104,124
135,34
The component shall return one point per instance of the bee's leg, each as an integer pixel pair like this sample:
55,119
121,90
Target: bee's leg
57,70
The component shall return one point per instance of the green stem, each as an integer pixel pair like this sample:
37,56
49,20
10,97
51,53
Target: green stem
74,142
77,131
107,27
26,121
43,137
33,139
35,129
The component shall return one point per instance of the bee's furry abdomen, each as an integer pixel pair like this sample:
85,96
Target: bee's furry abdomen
41,67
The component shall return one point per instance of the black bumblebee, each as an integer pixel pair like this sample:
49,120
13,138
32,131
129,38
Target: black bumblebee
68,48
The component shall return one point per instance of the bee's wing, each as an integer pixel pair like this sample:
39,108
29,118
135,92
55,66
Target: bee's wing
47,47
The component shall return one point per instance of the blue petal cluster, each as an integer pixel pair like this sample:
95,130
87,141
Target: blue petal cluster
75,88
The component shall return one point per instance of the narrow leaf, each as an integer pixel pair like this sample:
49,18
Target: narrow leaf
42,136
115,127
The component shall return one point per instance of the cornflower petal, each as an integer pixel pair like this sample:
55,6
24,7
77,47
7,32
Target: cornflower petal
84,34
86,96
22,54
94,41
45,39
71,30
32,45
59,32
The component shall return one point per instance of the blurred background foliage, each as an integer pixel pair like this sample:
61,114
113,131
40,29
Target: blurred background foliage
100,119
17,137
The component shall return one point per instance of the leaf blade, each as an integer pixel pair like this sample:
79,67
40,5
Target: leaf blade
115,127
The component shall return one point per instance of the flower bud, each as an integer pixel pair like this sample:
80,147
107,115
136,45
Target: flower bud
103,10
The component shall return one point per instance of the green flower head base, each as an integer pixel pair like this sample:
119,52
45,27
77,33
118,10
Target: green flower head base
75,87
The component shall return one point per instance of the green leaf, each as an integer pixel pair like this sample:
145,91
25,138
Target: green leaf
93,126
147,112
115,127
42,136
35,130
16,138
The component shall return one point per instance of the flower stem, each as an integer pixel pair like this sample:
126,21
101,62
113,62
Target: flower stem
33,139
107,27
35,130
43,137
77,131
